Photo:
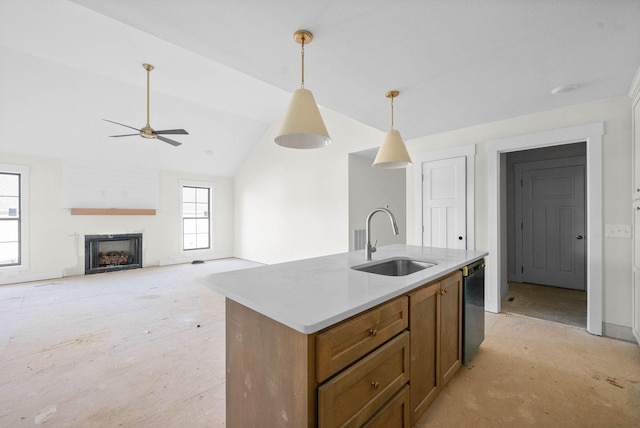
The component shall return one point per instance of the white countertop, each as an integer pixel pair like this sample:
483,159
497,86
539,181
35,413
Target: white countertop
309,295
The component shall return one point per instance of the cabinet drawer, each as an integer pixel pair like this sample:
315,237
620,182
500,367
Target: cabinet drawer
356,394
351,340
395,414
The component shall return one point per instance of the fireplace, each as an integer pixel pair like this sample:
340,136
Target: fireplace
107,253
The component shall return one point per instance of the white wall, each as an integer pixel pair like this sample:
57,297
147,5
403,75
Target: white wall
56,238
294,204
371,188
616,162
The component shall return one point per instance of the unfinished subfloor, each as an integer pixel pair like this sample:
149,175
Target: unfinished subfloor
145,348
548,303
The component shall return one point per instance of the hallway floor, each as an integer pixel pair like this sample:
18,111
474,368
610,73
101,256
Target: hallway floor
145,348
548,303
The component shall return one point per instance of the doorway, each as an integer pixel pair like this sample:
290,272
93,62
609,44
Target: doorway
546,237
497,283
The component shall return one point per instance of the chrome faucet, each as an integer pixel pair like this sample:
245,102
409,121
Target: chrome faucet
372,248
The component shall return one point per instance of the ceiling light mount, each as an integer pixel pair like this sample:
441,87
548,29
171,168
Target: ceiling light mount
303,37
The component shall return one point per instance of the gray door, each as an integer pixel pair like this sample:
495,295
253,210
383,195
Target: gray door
553,226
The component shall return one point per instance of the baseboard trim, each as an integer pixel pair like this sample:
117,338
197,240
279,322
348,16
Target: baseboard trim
15,278
618,332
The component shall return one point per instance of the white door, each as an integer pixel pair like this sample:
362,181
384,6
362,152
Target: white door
444,195
553,226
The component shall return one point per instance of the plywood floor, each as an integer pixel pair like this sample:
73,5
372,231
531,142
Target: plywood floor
124,349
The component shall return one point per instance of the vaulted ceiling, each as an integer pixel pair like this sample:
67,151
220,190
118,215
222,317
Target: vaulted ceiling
225,69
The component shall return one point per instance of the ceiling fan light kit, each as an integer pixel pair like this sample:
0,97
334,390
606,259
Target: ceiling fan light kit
147,131
302,126
392,153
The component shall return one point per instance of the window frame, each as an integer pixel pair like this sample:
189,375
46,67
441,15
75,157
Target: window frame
211,214
23,233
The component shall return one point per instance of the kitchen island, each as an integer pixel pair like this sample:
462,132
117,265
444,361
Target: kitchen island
317,343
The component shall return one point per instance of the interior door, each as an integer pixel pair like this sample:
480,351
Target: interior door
444,196
553,226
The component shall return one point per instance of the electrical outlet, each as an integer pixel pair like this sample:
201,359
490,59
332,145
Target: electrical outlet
618,231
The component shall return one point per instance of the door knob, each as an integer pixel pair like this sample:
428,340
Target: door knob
579,237
460,238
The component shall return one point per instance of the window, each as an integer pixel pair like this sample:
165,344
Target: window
196,218
10,219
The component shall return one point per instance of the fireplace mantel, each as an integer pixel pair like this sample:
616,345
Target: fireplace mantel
112,211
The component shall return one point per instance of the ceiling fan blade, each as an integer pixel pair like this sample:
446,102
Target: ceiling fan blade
166,140
173,131
124,135
121,124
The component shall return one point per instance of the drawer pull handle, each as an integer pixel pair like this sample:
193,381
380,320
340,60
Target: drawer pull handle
375,385
373,332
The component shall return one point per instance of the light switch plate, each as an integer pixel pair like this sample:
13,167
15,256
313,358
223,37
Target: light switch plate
618,231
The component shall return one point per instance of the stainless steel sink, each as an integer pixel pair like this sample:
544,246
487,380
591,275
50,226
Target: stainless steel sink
397,266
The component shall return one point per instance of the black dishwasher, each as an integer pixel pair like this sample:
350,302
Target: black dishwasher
472,309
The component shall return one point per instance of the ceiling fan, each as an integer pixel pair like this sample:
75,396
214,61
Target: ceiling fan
147,131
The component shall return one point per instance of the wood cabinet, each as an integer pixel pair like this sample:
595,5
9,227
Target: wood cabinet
436,340
370,354
349,341
355,395
380,368
270,375
423,309
450,321
395,414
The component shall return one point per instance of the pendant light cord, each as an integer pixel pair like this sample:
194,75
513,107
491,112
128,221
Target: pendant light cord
302,60
391,112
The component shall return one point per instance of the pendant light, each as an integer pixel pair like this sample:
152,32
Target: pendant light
302,126
392,153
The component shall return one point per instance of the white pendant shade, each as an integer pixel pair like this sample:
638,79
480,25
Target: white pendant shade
302,126
392,153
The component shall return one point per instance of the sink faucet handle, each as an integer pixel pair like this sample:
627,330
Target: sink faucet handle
373,247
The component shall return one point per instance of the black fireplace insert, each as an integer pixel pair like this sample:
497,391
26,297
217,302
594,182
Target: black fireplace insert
107,253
